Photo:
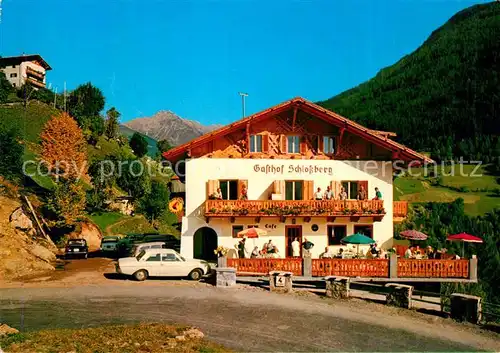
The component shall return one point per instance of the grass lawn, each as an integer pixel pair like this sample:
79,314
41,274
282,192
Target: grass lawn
139,224
29,121
478,190
110,339
105,219
467,176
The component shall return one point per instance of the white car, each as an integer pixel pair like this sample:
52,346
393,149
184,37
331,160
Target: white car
136,249
161,263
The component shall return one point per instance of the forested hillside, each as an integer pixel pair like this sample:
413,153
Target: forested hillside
443,98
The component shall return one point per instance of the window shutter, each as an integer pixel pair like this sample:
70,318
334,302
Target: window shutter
303,145
279,187
308,193
265,143
212,186
241,185
283,144
364,184
335,186
320,144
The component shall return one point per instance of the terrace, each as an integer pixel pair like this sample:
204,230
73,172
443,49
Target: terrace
409,270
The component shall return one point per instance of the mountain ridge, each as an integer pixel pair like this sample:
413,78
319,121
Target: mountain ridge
166,125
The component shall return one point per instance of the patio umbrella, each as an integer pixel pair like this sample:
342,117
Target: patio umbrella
464,238
413,235
252,233
357,239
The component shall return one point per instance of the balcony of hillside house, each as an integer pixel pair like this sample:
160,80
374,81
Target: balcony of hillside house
35,83
356,210
32,72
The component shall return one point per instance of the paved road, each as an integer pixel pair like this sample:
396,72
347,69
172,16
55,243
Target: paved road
243,319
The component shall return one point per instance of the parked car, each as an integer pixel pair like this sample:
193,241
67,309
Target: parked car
171,242
161,263
137,248
125,245
76,247
109,243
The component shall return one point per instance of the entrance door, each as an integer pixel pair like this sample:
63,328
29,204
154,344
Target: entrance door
292,232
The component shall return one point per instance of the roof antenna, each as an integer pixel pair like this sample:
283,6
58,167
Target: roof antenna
243,95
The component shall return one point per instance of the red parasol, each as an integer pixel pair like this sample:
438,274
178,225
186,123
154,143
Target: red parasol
413,235
464,237
252,233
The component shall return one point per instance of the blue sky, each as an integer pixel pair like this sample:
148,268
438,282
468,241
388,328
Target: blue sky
192,57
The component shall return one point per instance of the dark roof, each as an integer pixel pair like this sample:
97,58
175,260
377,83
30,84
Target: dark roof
378,137
9,60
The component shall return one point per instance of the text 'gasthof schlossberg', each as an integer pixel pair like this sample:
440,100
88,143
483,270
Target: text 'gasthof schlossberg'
292,169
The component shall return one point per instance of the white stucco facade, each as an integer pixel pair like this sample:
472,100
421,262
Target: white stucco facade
260,174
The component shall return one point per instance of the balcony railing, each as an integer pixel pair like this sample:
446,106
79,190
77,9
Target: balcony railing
362,268
33,72
263,208
35,82
400,208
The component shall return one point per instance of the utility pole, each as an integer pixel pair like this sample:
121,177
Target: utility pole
243,95
64,95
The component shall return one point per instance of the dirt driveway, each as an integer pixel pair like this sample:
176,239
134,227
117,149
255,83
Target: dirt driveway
80,272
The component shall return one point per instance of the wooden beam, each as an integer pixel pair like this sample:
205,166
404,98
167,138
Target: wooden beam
247,137
294,117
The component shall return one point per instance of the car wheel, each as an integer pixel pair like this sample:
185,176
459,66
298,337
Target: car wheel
85,256
141,275
195,275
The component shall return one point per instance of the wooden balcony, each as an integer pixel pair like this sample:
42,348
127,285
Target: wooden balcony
400,208
35,82
283,208
35,73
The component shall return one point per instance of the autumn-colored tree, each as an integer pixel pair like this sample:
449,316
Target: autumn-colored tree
64,147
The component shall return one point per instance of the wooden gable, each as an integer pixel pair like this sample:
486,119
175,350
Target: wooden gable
301,118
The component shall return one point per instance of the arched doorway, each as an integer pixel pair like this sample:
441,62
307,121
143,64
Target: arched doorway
204,244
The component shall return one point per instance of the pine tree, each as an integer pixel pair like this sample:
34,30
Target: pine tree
112,116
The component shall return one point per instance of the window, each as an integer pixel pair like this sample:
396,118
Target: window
229,189
335,234
351,188
236,229
14,85
293,144
364,229
255,143
13,75
253,226
169,257
155,257
293,190
328,145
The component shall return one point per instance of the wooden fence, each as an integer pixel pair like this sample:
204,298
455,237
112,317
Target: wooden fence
350,267
264,266
433,268
367,268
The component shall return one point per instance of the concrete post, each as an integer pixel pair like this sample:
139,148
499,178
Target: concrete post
399,295
225,276
222,261
473,269
337,287
465,307
307,266
393,266
280,281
